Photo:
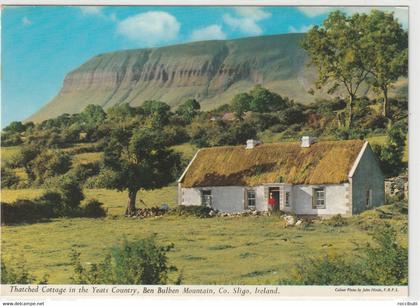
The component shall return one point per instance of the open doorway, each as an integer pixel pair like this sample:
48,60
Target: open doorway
274,193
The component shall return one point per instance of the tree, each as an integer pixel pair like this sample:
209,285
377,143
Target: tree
142,161
50,163
157,112
92,116
386,44
15,127
9,179
264,101
24,159
188,110
141,262
391,154
241,103
335,50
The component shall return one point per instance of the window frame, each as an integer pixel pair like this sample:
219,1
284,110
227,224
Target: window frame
287,199
248,198
316,200
203,197
369,196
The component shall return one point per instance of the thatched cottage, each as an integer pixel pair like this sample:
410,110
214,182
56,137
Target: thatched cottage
307,178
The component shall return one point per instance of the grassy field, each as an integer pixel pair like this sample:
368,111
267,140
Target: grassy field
230,250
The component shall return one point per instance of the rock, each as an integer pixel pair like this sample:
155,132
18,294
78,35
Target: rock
299,222
290,220
255,213
164,207
212,213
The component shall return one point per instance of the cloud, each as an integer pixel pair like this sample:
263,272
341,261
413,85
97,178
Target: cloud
246,19
208,33
302,29
150,28
91,10
400,13
26,21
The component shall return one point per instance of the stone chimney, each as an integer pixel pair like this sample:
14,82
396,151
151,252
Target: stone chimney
252,143
306,141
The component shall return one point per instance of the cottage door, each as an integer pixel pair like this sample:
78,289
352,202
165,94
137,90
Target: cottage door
274,192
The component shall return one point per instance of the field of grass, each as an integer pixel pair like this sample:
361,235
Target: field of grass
230,250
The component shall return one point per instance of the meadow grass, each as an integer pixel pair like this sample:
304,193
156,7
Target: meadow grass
220,250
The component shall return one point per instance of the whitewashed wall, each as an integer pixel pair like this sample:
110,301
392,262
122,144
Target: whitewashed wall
227,199
231,199
335,200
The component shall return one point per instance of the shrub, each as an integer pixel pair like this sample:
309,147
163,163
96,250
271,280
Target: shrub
69,190
193,210
383,263
336,221
141,262
94,209
8,178
25,211
19,275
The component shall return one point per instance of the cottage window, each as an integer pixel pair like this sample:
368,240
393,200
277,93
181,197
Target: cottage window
287,199
250,198
206,198
369,198
318,199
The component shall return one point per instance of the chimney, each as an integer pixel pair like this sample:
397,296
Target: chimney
306,141
252,143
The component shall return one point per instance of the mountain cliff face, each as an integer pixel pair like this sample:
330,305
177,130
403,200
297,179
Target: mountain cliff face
211,72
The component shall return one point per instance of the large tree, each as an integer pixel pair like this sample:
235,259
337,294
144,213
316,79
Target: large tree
335,49
189,109
140,160
386,43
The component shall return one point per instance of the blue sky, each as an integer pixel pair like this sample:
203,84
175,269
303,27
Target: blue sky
41,44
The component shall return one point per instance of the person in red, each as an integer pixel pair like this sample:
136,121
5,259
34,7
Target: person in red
271,201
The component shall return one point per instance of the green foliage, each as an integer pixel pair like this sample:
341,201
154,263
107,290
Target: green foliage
92,116
391,154
157,113
25,158
26,211
188,110
8,178
142,262
94,209
9,139
241,103
50,163
70,191
15,127
384,263
336,50
142,161
19,275
264,101
336,221
387,44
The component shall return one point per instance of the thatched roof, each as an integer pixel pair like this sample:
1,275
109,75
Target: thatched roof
327,162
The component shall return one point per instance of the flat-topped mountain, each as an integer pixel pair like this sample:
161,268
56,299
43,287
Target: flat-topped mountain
210,71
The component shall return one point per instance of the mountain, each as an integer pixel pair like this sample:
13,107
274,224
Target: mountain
210,71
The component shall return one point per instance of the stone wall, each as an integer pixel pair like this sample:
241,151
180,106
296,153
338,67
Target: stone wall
397,187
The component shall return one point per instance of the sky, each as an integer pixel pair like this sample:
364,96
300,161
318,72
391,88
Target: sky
41,44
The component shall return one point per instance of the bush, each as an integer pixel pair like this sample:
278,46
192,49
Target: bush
19,275
384,263
25,211
141,262
69,190
94,209
8,178
336,221
193,210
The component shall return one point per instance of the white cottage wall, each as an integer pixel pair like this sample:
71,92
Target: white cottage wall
335,200
224,198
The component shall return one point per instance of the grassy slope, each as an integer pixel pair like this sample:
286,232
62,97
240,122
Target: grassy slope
262,251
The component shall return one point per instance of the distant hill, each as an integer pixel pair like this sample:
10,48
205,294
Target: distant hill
210,71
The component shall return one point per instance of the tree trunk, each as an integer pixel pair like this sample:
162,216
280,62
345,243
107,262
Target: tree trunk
131,204
385,106
350,114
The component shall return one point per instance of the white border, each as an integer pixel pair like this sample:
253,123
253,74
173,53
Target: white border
414,112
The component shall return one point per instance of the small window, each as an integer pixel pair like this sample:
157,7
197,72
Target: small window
206,198
318,198
369,198
287,199
250,198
